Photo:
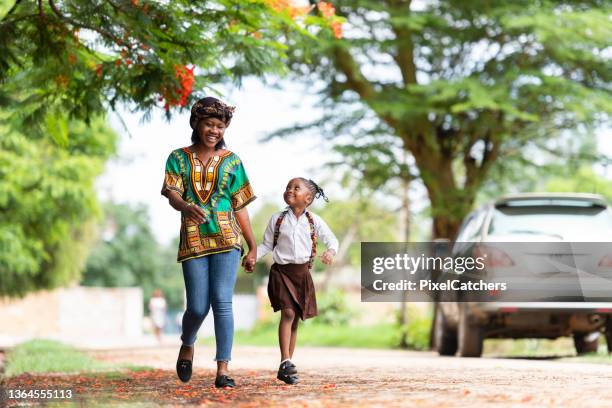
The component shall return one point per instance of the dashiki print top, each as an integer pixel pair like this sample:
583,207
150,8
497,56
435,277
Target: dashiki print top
220,187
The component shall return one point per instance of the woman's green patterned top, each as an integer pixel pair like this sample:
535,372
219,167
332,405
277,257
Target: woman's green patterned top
220,187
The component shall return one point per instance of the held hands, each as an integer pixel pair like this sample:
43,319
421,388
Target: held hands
328,257
194,213
248,262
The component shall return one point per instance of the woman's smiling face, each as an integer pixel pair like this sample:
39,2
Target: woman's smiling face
297,194
210,131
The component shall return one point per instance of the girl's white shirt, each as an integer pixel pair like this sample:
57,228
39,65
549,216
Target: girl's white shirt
294,243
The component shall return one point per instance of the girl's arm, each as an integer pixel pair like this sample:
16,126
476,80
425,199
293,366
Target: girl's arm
326,235
192,211
329,239
268,240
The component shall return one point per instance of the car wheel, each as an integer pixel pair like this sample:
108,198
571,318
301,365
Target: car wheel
586,342
446,338
470,334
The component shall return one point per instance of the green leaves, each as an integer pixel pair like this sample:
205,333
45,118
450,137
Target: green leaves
5,6
47,199
93,55
57,127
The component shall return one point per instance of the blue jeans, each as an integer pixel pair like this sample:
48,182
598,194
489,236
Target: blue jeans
209,281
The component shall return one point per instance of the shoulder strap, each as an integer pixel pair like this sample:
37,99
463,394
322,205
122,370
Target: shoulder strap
313,237
279,221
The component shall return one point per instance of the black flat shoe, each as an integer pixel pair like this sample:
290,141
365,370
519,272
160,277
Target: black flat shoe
223,381
288,379
183,368
287,368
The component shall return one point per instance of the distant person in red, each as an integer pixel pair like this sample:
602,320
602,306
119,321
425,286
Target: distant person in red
157,311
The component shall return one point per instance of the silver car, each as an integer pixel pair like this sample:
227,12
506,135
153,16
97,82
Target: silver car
530,221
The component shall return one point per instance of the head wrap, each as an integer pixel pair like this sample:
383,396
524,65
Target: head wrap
210,107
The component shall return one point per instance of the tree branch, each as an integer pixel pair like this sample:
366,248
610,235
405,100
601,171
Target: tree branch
405,48
75,23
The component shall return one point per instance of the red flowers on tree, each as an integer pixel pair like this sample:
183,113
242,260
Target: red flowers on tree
281,6
178,95
326,9
329,13
336,26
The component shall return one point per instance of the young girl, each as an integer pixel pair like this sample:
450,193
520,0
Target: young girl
291,237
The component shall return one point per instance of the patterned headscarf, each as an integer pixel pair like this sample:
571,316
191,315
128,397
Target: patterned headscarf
210,107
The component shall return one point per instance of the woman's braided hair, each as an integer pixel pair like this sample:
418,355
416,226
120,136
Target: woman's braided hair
315,190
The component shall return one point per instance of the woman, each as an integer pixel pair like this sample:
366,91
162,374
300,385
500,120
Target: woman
157,311
209,186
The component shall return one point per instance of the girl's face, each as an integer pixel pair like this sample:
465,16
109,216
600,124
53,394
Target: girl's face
297,194
210,131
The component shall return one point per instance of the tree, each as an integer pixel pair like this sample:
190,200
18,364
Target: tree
584,180
127,254
47,201
459,86
85,57
531,167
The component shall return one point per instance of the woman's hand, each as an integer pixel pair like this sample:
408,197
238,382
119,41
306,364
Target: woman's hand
194,213
248,262
328,257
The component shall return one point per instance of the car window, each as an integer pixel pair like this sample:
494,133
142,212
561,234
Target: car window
553,220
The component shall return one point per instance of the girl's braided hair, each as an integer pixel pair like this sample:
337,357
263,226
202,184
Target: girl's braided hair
315,190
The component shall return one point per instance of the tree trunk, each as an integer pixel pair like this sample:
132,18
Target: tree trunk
404,237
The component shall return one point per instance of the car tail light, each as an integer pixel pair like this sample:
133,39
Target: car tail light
605,262
492,257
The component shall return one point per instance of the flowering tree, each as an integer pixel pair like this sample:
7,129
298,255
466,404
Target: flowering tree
80,58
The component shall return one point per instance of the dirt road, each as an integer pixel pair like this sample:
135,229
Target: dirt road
349,377
333,377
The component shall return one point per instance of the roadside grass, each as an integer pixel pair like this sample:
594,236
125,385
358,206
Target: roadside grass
44,356
529,348
561,349
601,357
383,335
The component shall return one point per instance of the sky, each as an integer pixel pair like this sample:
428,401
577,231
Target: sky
136,175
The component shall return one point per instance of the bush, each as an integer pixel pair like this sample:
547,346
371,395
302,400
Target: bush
334,308
416,331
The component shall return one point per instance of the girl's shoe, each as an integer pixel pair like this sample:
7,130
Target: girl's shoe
223,381
183,367
288,379
287,368
287,373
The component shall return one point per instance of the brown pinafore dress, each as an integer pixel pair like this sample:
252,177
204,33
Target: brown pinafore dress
290,286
